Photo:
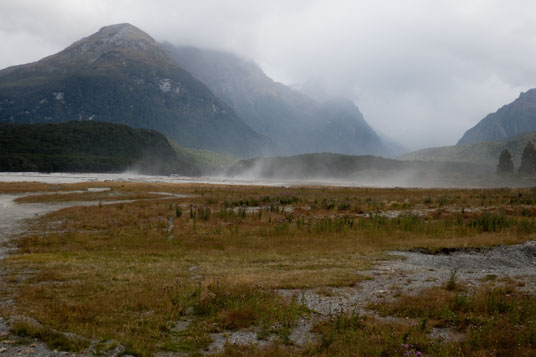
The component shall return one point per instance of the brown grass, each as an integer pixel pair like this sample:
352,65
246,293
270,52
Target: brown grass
122,271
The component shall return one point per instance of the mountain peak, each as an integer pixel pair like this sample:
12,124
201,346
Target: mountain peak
122,32
120,74
114,37
111,44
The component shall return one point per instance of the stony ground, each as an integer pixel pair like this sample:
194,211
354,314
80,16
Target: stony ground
406,273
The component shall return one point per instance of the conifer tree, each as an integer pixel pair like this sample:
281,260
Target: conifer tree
528,160
506,165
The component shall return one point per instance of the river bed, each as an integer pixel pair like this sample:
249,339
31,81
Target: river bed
61,178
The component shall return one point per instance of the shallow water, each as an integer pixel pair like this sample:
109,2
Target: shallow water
129,177
13,215
59,178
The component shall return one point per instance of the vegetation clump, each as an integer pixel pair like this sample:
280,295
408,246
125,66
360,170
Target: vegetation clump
493,320
54,339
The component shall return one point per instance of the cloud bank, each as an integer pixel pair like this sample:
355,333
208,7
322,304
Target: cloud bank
422,72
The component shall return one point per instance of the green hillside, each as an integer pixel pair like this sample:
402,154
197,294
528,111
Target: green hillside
486,153
87,146
209,162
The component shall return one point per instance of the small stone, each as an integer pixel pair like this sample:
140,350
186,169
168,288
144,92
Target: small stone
3,349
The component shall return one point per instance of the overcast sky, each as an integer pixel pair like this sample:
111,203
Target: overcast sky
421,71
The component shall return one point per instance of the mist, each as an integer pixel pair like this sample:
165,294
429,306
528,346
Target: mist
421,72
370,171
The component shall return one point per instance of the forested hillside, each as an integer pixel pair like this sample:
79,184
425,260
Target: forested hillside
87,146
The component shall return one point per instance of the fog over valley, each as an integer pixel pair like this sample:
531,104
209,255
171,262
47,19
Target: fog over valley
421,72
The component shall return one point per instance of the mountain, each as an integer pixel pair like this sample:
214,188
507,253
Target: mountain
486,153
511,120
364,170
296,122
88,146
121,75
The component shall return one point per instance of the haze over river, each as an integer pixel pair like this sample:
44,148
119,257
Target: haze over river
133,177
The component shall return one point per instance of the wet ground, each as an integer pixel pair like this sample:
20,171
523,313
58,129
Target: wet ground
13,215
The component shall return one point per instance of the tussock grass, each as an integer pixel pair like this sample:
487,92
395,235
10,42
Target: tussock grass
494,320
129,271
55,340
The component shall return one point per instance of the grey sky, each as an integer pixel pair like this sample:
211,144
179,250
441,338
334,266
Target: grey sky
421,71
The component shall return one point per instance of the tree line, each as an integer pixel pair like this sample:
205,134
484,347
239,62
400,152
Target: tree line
528,161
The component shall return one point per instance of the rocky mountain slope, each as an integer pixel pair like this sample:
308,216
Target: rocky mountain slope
121,75
511,120
296,122
485,153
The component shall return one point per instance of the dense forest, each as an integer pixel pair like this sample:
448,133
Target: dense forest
87,146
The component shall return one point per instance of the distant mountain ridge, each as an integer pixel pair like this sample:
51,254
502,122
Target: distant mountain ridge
509,121
295,122
484,153
121,75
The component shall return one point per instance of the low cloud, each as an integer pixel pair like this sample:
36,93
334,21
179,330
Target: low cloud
422,72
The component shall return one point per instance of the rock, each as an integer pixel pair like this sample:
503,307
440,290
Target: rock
509,121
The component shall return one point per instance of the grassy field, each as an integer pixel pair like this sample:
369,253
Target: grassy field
129,271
